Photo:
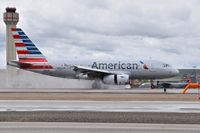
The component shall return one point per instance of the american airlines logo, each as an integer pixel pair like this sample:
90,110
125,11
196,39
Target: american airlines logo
118,66
144,65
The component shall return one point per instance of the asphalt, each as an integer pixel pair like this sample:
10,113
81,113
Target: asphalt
173,108
97,128
100,117
100,106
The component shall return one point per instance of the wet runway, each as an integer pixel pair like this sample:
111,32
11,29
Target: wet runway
100,106
27,127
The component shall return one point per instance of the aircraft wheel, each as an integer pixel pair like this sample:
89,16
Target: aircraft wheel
165,89
152,86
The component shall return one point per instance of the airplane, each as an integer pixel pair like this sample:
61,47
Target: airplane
108,72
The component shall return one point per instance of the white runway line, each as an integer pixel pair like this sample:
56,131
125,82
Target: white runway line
32,127
104,106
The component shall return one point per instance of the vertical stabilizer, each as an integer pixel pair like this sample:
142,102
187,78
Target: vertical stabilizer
29,56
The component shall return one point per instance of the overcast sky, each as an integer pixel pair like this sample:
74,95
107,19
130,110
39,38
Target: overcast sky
165,30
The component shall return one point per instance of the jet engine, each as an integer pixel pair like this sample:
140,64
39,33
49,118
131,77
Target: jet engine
117,79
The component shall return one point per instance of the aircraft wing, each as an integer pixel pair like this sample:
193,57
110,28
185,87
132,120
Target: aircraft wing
92,72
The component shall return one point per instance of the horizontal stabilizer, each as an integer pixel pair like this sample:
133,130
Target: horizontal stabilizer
18,64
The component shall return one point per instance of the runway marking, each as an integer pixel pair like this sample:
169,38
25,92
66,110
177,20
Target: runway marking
103,106
85,125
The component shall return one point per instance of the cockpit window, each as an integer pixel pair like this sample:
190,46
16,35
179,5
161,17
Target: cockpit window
166,65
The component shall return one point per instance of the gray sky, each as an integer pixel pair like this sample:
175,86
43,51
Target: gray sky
165,30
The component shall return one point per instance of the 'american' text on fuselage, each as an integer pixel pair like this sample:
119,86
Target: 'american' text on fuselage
114,66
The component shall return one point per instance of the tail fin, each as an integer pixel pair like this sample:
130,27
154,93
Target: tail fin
29,56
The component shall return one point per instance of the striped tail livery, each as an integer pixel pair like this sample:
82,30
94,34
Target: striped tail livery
29,56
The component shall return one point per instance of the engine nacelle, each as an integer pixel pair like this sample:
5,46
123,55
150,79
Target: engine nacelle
120,79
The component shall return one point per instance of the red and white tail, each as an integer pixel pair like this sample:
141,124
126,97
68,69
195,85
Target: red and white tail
29,56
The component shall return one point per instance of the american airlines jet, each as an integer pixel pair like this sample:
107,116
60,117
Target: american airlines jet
109,72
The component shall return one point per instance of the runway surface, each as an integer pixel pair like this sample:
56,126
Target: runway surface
100,106
97,128
87,90
98,96
177,112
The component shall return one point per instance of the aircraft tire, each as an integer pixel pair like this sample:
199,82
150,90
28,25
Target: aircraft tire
152,86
